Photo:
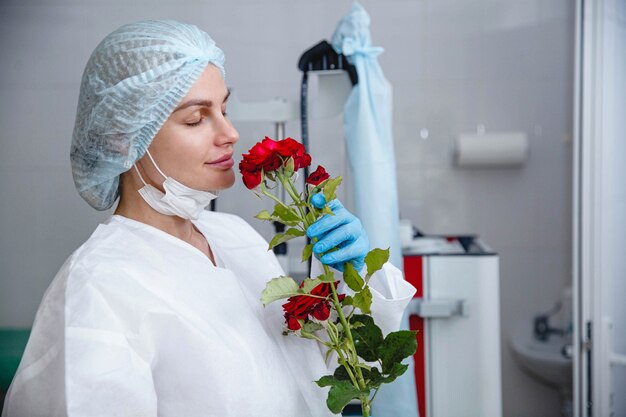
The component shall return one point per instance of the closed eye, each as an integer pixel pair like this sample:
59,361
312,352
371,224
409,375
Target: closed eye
194,123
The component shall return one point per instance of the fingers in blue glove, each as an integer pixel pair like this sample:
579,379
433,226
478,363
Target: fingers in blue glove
327,222
342,230
336,236
318,200
352,253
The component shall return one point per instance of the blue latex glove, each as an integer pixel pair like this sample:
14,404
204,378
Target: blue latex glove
343,230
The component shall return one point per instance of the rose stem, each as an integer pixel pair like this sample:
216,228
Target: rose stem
288,185
335,340
345,326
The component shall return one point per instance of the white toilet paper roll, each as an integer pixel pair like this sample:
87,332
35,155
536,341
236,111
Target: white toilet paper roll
502,149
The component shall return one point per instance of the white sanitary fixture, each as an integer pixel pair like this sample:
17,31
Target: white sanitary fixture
542,347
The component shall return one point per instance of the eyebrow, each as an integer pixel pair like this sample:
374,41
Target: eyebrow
199,102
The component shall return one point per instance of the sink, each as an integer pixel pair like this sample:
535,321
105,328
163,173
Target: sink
546,361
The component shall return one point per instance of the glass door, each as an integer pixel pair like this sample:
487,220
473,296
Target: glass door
600,210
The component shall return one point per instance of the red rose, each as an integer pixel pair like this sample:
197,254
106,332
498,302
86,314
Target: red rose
264,155
321,311
301,306
292,323
291,148
301,161
251,179
318,176
268,155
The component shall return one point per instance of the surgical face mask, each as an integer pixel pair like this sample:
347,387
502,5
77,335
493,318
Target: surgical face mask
178,199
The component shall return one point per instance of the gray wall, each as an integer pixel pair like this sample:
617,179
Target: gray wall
504,64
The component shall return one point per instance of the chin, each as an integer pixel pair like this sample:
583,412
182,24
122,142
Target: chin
226,181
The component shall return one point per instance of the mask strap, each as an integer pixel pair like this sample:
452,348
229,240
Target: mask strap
139,173
155,165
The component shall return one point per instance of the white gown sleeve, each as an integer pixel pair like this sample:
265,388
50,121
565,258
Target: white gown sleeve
391,294
79,360
106,377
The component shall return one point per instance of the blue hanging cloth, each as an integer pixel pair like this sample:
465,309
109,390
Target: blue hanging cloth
369,138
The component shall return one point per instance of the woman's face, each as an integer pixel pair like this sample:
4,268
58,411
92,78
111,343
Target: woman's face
195,145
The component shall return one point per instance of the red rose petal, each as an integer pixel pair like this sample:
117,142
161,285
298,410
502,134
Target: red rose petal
318,176
293,323
321,311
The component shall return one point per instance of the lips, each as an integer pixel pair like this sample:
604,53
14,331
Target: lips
225,162
222,159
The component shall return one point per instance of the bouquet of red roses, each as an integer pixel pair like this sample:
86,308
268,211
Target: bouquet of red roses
314,305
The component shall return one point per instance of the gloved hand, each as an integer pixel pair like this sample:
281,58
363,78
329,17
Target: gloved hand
343,230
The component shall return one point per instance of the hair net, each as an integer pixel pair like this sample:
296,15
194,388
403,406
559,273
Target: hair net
132,82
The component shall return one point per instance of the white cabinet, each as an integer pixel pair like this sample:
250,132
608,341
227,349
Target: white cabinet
456,312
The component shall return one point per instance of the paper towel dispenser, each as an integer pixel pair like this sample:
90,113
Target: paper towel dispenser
491,150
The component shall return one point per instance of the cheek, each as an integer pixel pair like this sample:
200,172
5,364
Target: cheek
185,149
177,155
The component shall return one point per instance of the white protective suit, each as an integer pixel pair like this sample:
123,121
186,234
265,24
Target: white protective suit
140,323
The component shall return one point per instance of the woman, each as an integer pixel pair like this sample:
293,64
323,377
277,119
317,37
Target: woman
158,312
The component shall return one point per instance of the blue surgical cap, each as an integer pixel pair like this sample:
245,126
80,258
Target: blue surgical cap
133,81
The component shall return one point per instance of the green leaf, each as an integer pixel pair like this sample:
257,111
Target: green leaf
310,217
341,392
311,327
327,210
341,373
330,277
277,240
306,252
326,380
308,284
356,325
363,300
352,278
264,215
285,215
281,214
289,166
367,338
397,346
397,370
279,288
291,233
347,301
373,377
375,259
331,187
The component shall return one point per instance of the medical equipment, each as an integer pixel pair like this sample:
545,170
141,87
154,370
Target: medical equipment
320,57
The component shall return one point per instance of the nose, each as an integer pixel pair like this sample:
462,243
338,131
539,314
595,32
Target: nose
228,134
